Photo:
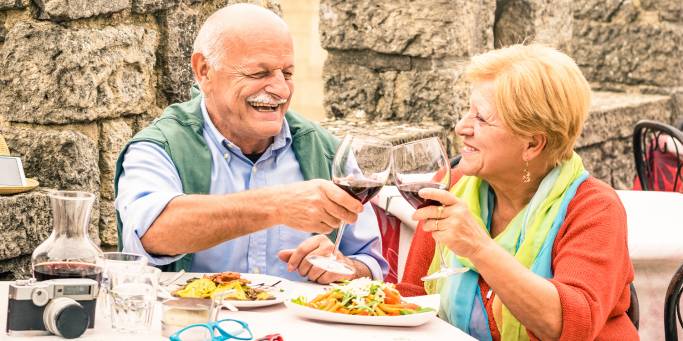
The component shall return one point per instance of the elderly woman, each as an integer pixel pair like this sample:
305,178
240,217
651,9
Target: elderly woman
544,241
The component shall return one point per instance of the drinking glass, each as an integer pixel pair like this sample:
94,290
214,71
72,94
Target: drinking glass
361,167
423,164
117,262
132,298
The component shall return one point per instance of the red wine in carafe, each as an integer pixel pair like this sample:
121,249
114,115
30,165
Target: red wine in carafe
54,270
409,192
362,190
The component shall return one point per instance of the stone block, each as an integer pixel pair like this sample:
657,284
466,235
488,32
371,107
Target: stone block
50,74
394,132
7,4
107,224
629,53
16,268
352,90
180,26
611,161
441,28
57,159
147,6
597,10
26,221
60,10
114,136
668,10
540,21
613,115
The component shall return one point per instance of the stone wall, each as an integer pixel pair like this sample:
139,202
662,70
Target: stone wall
402,61
77,79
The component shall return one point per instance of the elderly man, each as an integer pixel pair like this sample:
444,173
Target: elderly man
231,181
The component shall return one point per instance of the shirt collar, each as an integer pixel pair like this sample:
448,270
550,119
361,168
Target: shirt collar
280,142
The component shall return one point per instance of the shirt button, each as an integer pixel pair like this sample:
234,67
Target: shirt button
225,156
253,169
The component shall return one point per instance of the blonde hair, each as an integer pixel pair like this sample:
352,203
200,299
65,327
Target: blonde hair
539,90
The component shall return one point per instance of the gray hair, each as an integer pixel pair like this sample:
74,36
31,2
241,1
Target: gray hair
208,42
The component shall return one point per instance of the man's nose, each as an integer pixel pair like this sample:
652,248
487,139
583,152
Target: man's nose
278,85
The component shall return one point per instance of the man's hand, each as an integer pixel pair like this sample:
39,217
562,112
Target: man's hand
319,245
314,206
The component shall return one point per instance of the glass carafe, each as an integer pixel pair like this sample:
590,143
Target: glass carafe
68,252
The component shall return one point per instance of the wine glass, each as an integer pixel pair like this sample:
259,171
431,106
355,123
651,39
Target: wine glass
423,164
361,167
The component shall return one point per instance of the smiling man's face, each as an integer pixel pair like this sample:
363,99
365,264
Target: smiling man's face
248,92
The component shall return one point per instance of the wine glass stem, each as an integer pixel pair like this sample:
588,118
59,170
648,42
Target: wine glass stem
443,260
337,241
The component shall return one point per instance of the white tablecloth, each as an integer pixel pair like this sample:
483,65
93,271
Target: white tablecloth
655,242
274,319
655,224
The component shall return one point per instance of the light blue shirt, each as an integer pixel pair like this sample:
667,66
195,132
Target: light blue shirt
150,180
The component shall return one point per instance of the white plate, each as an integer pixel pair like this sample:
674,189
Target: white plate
280,291
411,320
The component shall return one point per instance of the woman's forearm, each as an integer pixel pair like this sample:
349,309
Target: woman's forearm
533,300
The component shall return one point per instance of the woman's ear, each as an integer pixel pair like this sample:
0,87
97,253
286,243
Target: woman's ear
535,145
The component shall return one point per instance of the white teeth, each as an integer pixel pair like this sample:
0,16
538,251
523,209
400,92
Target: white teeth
468,149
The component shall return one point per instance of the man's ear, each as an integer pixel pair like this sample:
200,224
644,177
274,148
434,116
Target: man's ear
535,145
200,68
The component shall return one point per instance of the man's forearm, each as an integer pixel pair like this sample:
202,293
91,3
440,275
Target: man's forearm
192,223
362,270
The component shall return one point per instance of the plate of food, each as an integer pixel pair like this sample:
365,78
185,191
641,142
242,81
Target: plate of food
248,290
361,301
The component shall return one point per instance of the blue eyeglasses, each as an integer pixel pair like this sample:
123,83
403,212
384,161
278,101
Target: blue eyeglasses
227,329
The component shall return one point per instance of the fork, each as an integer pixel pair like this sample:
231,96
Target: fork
173,279
265,286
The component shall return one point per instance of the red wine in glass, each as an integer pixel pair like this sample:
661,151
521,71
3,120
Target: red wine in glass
423,164
360,167
362,190
54,270
410,191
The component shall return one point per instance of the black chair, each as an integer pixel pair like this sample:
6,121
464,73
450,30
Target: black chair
672,306
657,166
633,311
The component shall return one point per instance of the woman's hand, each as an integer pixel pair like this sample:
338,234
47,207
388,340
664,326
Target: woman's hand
452,224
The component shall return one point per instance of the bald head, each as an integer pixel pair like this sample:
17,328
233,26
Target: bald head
237,23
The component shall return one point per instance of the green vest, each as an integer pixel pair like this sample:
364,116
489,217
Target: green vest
179,132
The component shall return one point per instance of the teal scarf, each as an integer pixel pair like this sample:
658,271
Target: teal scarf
529,237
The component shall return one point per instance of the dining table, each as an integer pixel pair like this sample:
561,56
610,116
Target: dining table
262,321
655,243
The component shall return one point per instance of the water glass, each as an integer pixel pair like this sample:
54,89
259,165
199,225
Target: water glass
117,262
132,298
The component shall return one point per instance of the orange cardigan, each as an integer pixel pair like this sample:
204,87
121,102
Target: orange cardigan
591,266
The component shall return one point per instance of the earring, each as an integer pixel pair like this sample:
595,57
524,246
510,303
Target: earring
526,176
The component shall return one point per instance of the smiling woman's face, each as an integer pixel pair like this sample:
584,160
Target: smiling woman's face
490,150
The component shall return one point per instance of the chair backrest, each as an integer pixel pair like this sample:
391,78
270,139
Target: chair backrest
658,153
633,311
672,306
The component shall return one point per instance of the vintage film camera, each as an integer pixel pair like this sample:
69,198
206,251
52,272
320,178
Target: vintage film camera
64,307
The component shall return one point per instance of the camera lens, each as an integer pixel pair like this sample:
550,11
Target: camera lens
65,317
